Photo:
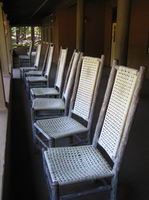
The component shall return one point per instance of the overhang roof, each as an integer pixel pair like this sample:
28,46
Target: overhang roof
28,12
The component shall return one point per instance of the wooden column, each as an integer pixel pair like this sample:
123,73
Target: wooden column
8,41
3,45
10,48
2,94
32,36
79,24
123,20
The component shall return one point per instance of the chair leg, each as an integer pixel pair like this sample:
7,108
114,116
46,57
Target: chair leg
34,132
113,195
71,140
51,142
33,128
55,191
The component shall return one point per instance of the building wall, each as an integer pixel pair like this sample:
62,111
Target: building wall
67,28
94,23
139,34
108,31
97,30
63,30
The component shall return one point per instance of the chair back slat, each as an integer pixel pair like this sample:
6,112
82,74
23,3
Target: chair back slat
71,75
117,110
49,60
86,87
61,66
37,57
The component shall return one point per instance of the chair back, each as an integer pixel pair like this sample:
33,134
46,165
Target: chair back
37,57
70,75
43,55
61,66
30,49
120,106
49,60
86,92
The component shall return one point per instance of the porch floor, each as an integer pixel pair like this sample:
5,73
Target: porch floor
27,180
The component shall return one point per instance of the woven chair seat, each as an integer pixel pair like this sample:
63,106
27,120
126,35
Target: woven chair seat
34,73
24,57
33,53
48,104
68,165
60,127
36,79
27,68
37,92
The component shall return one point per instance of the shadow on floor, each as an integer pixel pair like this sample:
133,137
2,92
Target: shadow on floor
27,177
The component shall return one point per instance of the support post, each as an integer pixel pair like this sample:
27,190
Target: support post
32,36
122,31
79,26
3,45
2,93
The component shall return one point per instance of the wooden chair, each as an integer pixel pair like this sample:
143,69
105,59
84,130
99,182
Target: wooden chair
98,164
36,64
49,131
26,58
43,108
40,81
46,65
56,90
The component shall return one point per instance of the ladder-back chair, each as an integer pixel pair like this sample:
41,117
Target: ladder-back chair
49,131
100,162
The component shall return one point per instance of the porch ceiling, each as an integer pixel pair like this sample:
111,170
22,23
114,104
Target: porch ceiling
28,12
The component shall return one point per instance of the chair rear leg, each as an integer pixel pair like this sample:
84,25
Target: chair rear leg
51,142
113,195
33,128
55,191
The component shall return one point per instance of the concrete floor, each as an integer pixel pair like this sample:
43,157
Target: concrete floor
27,179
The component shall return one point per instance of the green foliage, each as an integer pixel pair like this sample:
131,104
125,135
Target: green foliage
21,36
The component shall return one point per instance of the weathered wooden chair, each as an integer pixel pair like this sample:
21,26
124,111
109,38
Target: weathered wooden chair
49,131
40,61
43,108
36,63
56,90
26,58
100,162
43,81
47,63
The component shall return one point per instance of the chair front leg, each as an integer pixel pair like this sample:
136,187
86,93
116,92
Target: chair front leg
55,191
113,195
33,127
51,142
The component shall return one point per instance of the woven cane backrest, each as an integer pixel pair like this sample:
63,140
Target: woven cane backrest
86,87
37,55
43,55
49,60
117,110
61,66
30,49
71,75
